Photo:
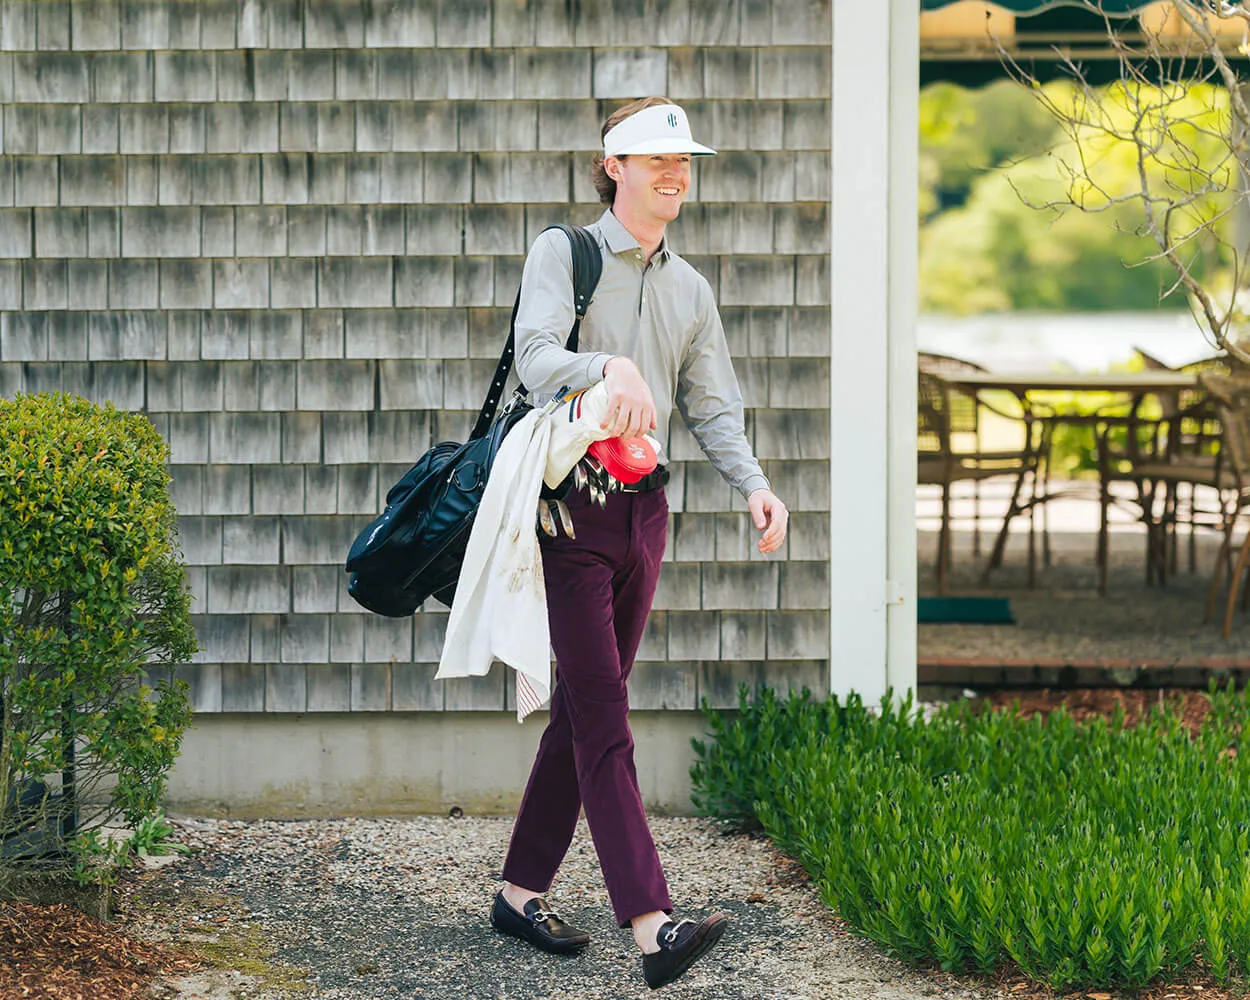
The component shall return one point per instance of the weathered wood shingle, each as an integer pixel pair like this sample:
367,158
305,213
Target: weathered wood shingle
291,233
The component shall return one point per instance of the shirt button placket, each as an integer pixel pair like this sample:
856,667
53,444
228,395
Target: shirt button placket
642,290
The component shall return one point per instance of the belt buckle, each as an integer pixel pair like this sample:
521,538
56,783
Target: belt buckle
651,481
637,487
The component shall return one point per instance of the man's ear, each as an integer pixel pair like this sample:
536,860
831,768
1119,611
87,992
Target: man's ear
612,167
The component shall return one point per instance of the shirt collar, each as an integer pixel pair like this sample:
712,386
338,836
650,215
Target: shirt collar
619,239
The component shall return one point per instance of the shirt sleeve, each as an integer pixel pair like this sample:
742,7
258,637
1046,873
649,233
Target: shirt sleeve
544,318
710,401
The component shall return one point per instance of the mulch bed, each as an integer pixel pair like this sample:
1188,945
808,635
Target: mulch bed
1084,704
58,953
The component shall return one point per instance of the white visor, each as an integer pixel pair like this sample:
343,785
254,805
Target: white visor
656,130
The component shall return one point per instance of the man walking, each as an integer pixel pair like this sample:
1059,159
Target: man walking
652,332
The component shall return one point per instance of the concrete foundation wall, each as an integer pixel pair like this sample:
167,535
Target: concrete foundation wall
297,766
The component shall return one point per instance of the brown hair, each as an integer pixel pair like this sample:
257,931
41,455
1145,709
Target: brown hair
604,184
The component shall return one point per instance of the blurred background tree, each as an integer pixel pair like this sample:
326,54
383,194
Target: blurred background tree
990,157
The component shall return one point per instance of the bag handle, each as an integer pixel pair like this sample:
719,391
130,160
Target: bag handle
587,267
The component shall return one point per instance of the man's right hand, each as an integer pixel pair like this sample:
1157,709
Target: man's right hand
631,408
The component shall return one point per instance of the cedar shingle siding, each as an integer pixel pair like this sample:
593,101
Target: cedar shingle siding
291,233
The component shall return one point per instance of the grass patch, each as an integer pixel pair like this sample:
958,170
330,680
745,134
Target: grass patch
1095,854
247,951
208,927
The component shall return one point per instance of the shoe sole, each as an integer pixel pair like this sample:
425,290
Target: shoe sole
711,934
550,947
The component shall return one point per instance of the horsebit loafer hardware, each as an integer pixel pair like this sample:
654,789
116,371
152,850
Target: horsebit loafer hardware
539,925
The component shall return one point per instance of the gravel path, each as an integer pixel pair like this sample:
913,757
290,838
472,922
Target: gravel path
385,908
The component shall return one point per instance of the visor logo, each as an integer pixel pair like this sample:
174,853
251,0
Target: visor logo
672,120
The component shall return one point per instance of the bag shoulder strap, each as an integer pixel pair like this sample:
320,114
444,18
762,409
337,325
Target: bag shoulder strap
587,268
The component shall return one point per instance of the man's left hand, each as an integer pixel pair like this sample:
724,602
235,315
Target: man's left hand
771,517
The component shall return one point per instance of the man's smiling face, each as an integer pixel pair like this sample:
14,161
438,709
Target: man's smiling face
651,187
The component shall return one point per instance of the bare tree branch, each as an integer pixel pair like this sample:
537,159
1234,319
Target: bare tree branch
1191,165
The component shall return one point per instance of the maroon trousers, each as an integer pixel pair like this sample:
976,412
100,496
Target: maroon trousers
599,591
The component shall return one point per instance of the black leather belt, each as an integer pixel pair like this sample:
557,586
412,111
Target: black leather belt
649,482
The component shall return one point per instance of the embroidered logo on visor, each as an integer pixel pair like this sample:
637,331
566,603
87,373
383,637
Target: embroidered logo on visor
672,121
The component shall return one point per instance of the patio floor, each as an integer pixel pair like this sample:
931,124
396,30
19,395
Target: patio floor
1065,633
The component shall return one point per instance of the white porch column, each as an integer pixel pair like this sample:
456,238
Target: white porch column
876,55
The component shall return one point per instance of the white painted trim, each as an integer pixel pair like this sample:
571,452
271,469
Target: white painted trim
903,297
859,349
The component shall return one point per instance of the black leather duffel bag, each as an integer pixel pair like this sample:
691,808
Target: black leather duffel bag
415,548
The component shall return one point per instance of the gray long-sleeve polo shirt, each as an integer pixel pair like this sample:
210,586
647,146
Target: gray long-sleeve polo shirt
662,315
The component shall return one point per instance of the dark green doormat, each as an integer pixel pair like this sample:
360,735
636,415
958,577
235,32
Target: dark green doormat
964,611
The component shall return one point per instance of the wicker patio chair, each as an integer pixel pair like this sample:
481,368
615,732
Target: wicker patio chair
964,417
1142,461
1232,396
1169,460
941,463
1191,419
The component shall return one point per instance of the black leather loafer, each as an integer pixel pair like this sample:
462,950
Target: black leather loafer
538,925
681,945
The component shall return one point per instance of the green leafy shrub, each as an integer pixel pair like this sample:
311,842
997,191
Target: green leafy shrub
93,608
1094,854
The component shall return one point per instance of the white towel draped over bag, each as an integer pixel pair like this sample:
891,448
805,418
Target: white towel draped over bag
500,607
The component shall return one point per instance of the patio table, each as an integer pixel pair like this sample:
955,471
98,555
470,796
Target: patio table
1130,383
1135,385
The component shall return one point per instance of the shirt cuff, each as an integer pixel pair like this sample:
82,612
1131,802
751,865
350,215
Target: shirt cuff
753,483
595,366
